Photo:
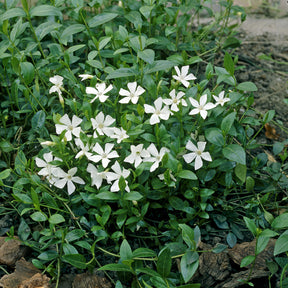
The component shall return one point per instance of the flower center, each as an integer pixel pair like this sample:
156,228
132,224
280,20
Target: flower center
157,112
138,153
70,127
158,158
69,177
175,101
101,125
200,107
198,152
104,155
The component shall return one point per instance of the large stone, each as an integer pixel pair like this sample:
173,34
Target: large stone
11,250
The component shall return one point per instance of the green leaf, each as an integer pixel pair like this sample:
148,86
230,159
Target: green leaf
227,122
135,18
147,55
281,244
231,239
39,216
188,235
20,162
143,253
25,5
280,222
158,282
69,31
229,63
125,251
187,174
11,13
159,65
69,249
138,43
122,72
35,199
27,71
56,219
247,260
38,120
164,262
189,264
133,196
45,28
261,244
101,19
250,183
119,267
214,136
219,248
235,153
251,225
146,10
240,172
76,260
247,86
104,42
107,196
190,286
5,174
44,11
231,42
74,235
23,230
48,255
268,116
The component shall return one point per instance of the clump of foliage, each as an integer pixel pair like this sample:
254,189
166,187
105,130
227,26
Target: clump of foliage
118,137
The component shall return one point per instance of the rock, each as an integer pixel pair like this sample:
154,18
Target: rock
212,267
11,250
36,281
239,251
235,280
24,271
87,280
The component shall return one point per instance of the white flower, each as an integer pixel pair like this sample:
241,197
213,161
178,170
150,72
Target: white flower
220,100
131,95
58,83
183,76
137,153
201,106
115,176
67,178
85,76
155,156
100,92
157,112
175,100
70,127
103,155
84,149
96,176
119,134
197,153
45,164
101,124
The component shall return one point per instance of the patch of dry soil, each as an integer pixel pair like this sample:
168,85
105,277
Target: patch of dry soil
265,61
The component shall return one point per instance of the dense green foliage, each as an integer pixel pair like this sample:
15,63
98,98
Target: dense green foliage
141,207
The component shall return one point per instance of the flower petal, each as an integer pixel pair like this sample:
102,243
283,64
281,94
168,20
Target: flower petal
189,157
198,162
